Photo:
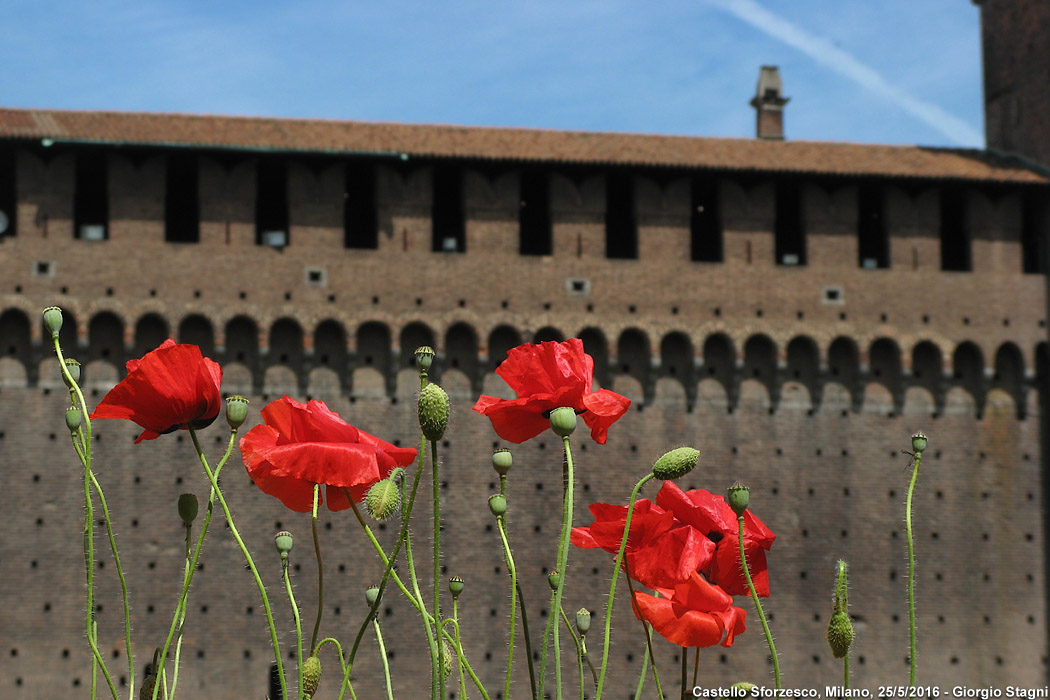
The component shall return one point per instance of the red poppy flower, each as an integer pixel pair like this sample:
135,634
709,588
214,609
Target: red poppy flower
713,517
661,551
548,376
303,444
171,387
693,614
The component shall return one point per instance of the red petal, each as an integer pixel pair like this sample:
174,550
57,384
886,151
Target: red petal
516,420
604,408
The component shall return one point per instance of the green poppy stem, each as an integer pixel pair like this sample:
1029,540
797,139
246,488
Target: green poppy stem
645,628
382,655
568,480
435,478
320,570
912,658
298,627
459,650
579,653
641,677
612,587
509,556
758,603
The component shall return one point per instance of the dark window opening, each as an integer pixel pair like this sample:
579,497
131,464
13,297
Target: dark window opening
874,244
1034,216
181,208
91,198
449,228
790,236
534,218
621,230
271,204
705,222
360,218
8,197
956,255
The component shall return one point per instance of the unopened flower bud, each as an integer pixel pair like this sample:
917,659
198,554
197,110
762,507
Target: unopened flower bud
450,657
738,498
53,320
918,442
424,357
583,620
146,689
73,367
383,499
498,504
501,461
744,687
554,580
188,508
676,463
283,541
311,675
563,421
73,418
455,586
371,595
433,412
236,411
840,634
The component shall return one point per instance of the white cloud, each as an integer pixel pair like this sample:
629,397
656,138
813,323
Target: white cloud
826,53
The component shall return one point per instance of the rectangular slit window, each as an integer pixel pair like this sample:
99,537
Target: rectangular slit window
271,204
449,228
1034,216
534,217
181,208
790,236
873,244
91,197
360,219
621,229
8,197
956,255
705,222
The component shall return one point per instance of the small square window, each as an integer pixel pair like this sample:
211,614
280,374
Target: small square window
833,295
578,287
44,268
316,276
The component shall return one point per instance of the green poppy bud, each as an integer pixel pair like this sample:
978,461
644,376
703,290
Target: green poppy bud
73,418
563,421
501,461
188,508
73,367
554,580
450,657
433,412
498,504
311,675
283,541
739,497
53,320
236,411
744,687
840,634
146,689
383,499
424,357
676,463
371,595
918,442
583,620
455,586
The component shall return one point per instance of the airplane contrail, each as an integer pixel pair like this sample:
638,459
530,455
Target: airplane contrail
827,54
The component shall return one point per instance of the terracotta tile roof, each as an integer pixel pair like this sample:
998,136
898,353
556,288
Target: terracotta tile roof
507,144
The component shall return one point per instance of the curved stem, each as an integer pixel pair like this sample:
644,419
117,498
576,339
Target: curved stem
382,655
568,480
645,628
187,579
912,660
459,650
758,604
437,562
612,587
528,640
298,626
641,677
180,608
579,653
251,564
320,570
509,556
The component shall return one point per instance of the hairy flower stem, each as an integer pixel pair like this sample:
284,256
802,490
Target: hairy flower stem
435,478
180,608
509,556
645,627
187,579
685,672
641,677
912,659
758,604
382,655
320,571
528,639
579,653
248,559
459,650
612,588
842,605
568,480
298,627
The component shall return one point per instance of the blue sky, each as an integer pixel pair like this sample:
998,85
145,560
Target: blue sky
893,71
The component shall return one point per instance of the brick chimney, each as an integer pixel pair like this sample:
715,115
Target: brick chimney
769,104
